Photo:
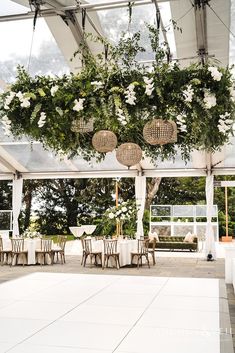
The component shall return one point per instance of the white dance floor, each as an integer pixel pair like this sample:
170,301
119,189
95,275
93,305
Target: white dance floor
63,313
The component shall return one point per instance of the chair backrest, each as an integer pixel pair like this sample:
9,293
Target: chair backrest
87,246
152,243
46,244
17,245
110,246
143,245
61,241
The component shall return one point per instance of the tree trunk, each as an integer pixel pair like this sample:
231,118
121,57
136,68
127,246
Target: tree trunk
28,205
152,189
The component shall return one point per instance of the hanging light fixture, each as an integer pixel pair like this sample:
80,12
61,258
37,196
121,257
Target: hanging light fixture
104,141
160,132
129,154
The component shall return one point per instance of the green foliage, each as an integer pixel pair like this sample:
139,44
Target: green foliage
116,73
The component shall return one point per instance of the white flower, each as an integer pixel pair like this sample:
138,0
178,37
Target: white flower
124,209
121,117
6,122
188,94
128,35
225,124
97,84
25,103
216,75
180,118
149,85
111,215
181,122
209,100
42,119
20,95
130,94
183,128
78,104
8,99
54,89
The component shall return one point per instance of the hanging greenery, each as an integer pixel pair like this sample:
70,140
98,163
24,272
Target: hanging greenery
121,95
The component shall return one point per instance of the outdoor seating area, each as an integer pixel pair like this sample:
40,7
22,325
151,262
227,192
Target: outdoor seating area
116,252
177,243
16,251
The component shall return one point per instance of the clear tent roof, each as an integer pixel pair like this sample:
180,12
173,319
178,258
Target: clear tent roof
53,37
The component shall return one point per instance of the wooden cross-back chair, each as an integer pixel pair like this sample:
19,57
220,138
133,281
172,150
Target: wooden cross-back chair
110,252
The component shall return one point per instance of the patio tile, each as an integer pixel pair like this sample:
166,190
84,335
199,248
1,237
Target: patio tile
82,335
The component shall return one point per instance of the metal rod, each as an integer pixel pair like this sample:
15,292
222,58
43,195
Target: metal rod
62,10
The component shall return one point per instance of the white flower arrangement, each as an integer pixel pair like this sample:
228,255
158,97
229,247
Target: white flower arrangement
225,123
124,211
31,234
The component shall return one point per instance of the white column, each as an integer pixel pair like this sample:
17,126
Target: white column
210,239
17,190
140,194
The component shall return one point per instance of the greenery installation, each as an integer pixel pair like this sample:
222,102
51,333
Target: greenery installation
122,95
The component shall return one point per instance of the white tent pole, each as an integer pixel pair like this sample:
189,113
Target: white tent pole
17,190
140,193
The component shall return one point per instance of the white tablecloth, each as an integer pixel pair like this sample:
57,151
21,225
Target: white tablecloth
30,244
124,247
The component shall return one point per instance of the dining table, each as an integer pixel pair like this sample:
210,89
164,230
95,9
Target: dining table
124,247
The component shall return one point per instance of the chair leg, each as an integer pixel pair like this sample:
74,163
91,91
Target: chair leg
153,254
118,262
147,258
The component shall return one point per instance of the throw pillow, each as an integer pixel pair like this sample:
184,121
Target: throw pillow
188,238
153,235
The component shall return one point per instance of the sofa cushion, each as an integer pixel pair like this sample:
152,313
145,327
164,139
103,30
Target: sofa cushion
189,238
153,236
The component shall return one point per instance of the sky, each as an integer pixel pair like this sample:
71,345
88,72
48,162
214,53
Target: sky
18,34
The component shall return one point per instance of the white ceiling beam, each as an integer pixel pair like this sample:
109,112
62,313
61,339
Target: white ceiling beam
10,163
76,8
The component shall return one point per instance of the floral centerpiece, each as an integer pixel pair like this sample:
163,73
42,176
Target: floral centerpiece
121,213
123,97
31,234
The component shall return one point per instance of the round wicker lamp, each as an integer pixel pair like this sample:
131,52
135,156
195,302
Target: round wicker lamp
160,132
104,141
80,125
129,154
174,136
